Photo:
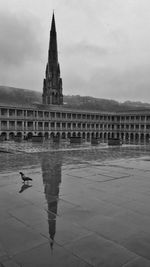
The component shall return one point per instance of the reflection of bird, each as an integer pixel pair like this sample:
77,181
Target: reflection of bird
25,178
24,187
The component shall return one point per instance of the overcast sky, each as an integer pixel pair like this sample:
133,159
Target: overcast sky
104,46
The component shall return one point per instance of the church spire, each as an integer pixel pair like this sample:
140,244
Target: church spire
52,84
53,27
53,54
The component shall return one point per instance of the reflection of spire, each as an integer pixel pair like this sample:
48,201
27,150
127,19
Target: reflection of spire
51,170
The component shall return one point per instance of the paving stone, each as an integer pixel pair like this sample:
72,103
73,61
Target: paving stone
45,256
10,263
139,243
138,262
16,237
98,251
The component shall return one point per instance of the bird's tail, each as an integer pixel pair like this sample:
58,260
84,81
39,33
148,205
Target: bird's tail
30,179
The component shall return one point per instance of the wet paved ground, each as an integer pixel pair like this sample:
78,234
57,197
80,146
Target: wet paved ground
85,206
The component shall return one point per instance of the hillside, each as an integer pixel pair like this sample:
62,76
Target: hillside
11,95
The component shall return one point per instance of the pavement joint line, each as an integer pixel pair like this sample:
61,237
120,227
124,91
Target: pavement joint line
129,261
113,179
77,256
112,241
66,201
19,220
97,181
28,249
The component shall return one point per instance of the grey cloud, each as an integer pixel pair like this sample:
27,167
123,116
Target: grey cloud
83,48
110,83
18,39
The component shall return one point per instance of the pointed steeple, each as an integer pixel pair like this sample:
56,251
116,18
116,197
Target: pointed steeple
53,54
53,27
52,85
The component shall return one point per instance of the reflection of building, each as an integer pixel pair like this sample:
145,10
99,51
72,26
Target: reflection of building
51,172
52,118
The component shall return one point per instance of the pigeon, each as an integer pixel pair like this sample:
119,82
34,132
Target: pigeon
25,178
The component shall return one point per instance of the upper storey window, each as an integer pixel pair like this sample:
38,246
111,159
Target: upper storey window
69,115
40,114
63,115
46,114
3,111
19,112
58,115
52,114
11,112
29,113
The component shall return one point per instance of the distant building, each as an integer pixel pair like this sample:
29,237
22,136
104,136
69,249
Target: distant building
52,119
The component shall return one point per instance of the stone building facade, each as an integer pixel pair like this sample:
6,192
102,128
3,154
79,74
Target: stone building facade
50,121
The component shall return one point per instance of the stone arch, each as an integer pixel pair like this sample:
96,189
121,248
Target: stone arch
122,136
4,135
11,136
118,135
19,134
46,135
52,134
105,135
88,135
63,135
58,134
29,135
108,135
127,136
147,137
83,135
142,136
74,134
132,136
40,134
112,135
136,136
92,135
68,135
79,134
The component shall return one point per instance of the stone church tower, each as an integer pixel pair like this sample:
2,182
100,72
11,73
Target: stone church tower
52,84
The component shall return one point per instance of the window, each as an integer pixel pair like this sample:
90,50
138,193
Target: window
3,111
46,114
11,112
